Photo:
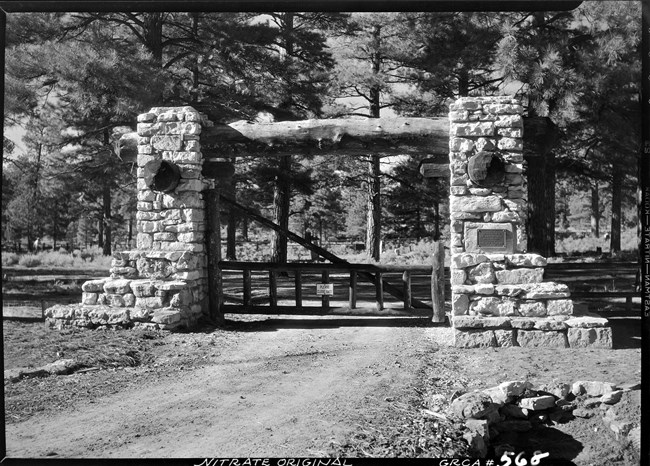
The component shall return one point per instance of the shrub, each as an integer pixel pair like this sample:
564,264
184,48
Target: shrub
57,259
10,258
29,260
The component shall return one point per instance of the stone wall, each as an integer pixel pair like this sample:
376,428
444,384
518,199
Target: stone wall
498,296
163,282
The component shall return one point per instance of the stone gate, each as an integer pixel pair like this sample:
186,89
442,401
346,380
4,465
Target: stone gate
499,297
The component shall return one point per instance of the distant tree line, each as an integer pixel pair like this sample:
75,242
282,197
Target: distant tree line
75,83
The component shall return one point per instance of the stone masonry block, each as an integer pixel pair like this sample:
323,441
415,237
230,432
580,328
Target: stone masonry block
117,286
481,273
532,309
472,129
587,322
474,338
600,337
154,302
475,203
540,338
94,286
89,298
475,322
459,304
517,276
545,290
458,277
505,338
560,307
514,144
460,261
143,288
485,306
166,316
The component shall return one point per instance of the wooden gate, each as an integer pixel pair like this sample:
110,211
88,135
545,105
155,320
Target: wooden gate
316,288
319,289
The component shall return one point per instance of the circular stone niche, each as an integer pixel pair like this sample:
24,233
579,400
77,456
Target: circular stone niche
486,169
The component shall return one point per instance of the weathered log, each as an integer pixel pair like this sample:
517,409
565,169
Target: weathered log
330,130
345,136
436,166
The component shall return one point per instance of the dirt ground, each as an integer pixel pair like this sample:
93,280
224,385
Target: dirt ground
282,387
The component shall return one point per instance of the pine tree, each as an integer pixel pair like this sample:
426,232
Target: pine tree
445,55
366,72
80,90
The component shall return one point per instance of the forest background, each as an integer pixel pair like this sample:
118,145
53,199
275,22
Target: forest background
75,82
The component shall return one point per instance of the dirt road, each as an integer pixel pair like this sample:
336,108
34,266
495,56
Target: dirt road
281,392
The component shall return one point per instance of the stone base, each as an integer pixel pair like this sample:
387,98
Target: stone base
600,337
122,302
91,317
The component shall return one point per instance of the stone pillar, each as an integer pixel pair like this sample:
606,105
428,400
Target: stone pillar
163,282
498,297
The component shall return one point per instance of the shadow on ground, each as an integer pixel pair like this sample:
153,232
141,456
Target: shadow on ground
272,324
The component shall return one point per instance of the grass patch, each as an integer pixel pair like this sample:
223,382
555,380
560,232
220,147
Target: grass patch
87,259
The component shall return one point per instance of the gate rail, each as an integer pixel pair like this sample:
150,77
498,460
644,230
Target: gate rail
299,270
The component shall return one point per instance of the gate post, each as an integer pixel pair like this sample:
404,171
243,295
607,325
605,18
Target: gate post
218,171
213,241
438,282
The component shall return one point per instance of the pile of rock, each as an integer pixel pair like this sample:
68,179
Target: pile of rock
516,406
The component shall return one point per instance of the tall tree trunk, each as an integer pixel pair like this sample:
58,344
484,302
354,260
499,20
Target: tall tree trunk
194,91
281,204
536,206
615,231
373,226
244,227
463,83
153,41
231,230
153,30
282,188
549,211
106,220
595,209
541,185
100,231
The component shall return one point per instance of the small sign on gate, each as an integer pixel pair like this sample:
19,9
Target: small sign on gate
325,289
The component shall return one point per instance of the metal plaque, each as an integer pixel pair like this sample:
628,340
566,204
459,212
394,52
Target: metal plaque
491,239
